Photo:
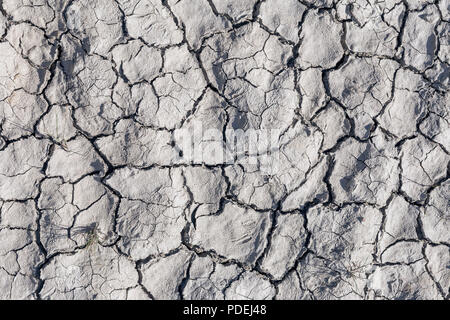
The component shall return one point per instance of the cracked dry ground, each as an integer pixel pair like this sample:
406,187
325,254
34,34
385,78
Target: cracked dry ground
95,203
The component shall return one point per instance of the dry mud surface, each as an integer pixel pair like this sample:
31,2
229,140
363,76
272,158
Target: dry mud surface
100,200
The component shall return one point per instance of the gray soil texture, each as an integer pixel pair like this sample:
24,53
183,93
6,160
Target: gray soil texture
99,201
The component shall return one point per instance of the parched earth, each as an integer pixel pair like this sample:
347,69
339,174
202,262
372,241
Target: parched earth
97,198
